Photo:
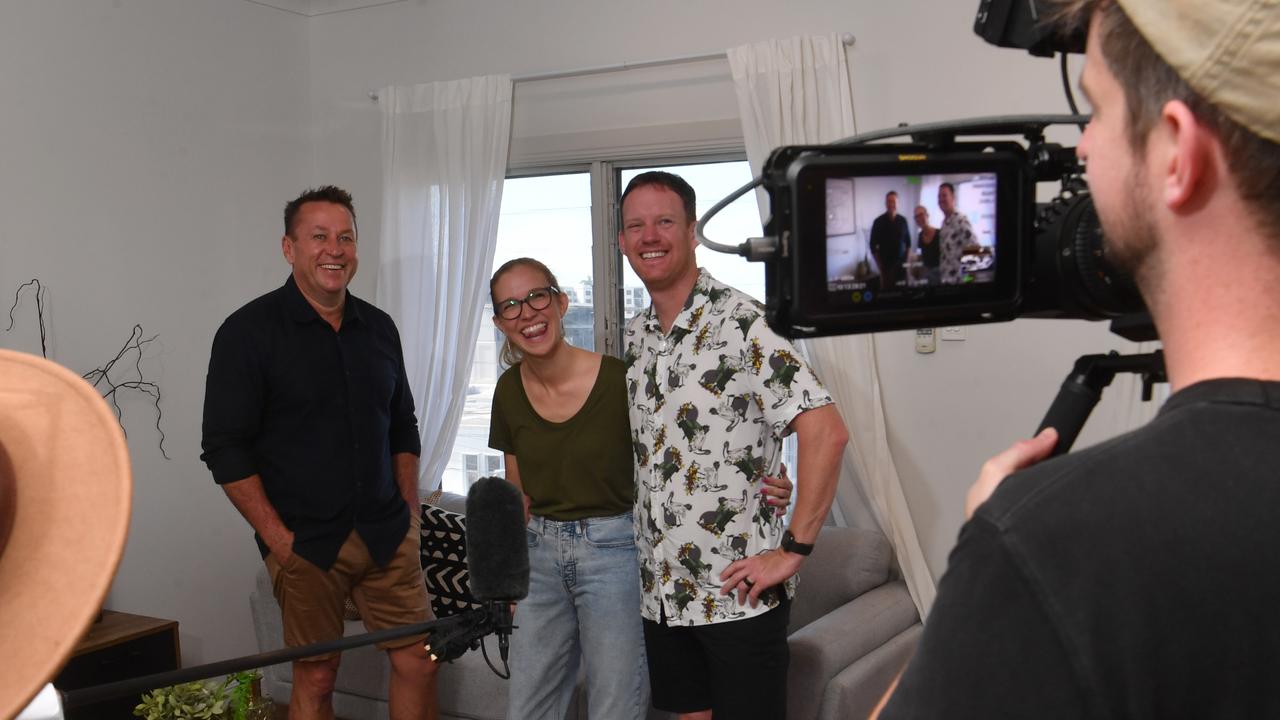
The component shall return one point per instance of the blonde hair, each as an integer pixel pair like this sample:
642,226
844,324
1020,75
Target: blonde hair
509,355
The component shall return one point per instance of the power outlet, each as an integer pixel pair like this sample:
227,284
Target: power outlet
953,332
926,341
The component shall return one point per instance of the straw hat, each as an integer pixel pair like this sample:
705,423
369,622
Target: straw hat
64,513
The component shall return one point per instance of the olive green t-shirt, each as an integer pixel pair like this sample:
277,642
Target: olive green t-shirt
575,469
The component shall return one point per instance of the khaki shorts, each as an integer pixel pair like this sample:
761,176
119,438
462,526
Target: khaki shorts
311,599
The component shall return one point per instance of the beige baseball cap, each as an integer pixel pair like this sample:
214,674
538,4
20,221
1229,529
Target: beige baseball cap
1228,51
65,493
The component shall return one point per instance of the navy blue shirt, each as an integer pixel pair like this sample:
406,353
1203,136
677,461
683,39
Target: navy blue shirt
318,415
890,237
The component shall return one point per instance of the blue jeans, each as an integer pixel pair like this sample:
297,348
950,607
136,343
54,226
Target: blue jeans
584,602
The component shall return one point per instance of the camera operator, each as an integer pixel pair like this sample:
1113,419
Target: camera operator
1138,578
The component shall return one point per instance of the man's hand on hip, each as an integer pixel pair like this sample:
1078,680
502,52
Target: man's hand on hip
752,576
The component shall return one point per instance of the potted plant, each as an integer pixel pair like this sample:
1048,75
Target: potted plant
235,697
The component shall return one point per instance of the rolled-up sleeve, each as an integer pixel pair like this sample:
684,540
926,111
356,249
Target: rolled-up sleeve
233,397
403,433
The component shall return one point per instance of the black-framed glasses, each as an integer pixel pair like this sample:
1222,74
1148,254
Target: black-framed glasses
538,299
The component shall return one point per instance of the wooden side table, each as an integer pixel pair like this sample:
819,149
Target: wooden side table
118,647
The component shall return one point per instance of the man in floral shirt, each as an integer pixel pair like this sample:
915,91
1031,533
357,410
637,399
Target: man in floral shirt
712,393
956,233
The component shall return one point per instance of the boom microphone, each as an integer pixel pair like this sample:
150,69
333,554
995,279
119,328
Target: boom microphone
497,551
498,562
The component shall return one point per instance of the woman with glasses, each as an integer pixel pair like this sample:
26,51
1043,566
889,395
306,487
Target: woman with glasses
560,416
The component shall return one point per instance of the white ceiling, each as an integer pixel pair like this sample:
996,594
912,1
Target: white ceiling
311,8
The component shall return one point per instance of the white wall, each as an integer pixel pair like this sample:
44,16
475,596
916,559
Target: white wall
147,148
914,61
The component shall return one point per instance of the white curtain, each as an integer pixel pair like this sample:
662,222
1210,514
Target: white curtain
444,156
797,91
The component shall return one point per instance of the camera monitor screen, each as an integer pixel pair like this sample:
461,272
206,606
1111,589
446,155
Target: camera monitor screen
890,237
887,237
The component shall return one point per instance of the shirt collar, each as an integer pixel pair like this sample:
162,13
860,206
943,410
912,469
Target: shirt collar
699,296
1235,391
301,311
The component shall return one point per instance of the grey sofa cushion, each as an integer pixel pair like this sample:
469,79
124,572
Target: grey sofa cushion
452,502
857,689
845,563
824,648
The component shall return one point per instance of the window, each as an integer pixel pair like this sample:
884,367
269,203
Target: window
472,464
551,218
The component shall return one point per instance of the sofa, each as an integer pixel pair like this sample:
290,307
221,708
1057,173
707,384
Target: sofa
852,628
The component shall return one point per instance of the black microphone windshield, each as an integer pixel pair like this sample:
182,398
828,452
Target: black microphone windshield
497,551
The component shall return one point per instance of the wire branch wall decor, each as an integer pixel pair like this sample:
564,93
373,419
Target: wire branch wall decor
101,377
40,290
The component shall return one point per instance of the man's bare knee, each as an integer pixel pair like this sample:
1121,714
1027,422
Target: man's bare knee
412,661
316,677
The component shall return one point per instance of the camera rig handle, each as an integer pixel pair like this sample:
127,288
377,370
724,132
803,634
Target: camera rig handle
945,132
1083,388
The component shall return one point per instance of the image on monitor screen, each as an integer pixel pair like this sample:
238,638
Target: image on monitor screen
895,234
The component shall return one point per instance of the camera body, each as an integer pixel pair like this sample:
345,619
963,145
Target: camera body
978,247
1016,24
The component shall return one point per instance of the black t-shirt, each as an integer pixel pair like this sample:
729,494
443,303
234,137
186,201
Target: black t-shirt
1134,579
318,414
576,469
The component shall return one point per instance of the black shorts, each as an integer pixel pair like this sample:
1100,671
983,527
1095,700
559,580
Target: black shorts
736,669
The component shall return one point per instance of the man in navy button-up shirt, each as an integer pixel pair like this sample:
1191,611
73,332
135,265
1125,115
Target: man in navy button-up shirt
309,427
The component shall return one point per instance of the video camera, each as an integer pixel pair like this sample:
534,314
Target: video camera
995,253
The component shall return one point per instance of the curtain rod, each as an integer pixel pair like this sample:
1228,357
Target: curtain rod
846,38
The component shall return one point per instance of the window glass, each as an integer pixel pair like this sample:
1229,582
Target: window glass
548,218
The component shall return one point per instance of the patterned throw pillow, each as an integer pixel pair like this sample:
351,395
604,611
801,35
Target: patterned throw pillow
444,561
349,610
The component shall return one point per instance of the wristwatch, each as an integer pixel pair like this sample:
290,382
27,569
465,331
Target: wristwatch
791,545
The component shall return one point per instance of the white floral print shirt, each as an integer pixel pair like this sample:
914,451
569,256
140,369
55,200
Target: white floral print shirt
710,402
